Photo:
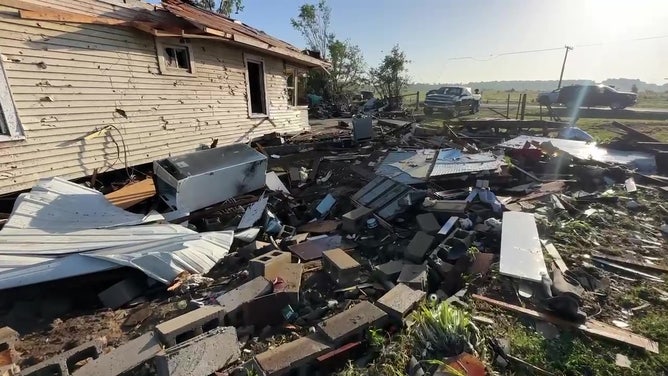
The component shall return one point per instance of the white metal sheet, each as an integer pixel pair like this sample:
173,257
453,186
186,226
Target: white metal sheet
521,253
56,205
253,213
275,184
60,230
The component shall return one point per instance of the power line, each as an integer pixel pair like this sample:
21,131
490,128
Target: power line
494,56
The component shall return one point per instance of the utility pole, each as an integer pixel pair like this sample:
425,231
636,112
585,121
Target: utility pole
563,66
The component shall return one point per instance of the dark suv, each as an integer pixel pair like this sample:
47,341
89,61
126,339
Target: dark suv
589,96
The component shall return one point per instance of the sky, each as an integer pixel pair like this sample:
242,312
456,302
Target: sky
609,36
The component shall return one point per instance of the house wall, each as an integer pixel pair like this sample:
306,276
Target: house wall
68,80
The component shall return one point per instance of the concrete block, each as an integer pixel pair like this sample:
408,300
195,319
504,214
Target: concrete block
354,220
481,264
428,223
123,358
414,276
64,364
122,292
399,301
352,322
253,249
293,355
232,300
418,247
341,268
329,362
201,355
389,271
269,263
266,310
288,280
190,325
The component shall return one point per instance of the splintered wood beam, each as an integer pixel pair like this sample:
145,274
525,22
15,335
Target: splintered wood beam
49,14
593,327
18,4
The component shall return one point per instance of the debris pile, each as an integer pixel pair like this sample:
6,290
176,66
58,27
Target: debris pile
387,249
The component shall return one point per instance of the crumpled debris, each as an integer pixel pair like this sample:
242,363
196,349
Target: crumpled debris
185,282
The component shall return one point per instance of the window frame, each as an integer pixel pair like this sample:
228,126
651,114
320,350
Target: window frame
288,72
11,128
256,60
161,44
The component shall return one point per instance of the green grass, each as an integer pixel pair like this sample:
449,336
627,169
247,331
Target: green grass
574,354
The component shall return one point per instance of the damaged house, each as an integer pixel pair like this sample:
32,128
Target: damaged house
96,85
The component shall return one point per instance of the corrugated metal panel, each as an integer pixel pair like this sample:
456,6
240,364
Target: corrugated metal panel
87,72
453,161
50,237
407,167
56,206
163,260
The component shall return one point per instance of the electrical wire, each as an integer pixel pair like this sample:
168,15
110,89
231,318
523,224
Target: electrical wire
494,56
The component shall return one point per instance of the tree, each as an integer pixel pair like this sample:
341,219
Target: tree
313,23
389,78
634,89
226,7
347,73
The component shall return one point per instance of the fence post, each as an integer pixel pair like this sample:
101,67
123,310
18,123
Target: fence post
417,101
508,107
519,104
524,105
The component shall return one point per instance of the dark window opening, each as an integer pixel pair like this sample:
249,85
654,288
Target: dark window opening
302,99
290,85
256,87
177,58
3,122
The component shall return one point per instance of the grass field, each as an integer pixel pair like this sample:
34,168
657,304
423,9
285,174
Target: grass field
600,129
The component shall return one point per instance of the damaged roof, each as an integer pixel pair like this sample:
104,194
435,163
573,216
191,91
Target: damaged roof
217,24
177,19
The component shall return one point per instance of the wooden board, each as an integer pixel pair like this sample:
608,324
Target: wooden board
132,194
552,251
590,326
623,260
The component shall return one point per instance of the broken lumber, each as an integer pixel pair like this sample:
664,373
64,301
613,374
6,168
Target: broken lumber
626,261
552,251
49,14
593,327
132,194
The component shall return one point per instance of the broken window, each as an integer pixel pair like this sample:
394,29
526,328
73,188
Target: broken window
177,58
10,127
174,56
257,103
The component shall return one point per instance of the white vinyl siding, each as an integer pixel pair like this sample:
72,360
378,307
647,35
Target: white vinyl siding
70,80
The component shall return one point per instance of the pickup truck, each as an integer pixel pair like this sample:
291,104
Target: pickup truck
453,100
